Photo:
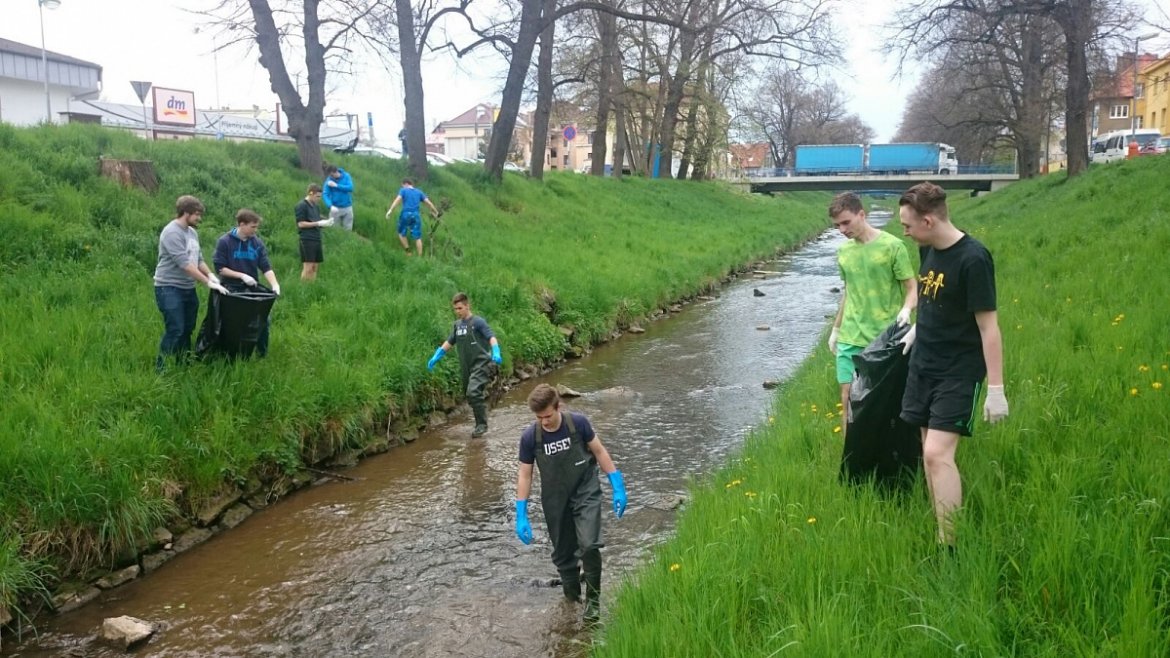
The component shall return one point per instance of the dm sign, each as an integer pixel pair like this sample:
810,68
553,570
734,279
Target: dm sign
174,107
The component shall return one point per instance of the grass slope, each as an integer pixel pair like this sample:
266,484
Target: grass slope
96,449
1065,534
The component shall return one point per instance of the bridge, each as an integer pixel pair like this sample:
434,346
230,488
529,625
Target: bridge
784,181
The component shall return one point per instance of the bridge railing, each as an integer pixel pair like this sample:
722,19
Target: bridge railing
964,170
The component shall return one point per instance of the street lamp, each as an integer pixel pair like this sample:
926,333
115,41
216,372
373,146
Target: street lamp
1133,96
41,4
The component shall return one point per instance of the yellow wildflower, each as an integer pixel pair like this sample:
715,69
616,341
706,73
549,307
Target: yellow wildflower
733,483
750,494
1133,391
1157,386
837,430
1143,368
675,567
812,520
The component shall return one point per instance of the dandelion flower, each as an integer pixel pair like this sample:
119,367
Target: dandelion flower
1133,391
812,520
837,430
675,567
750,494
812,408
1165,366
1157,386
771,419
839,405
1143,368
733,483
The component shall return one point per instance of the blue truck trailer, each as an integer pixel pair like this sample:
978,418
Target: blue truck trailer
829,159
911,158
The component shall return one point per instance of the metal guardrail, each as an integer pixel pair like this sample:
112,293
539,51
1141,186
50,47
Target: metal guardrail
964,170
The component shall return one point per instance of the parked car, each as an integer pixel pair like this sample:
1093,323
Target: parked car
370,151
1114,146
1155,146
438,159
512,166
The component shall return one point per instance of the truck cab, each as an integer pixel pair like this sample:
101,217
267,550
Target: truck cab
948,163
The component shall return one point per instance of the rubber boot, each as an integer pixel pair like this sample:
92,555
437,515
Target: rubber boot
571,585
479,410
591,562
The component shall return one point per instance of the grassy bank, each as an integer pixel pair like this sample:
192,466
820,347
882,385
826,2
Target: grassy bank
96,449
1064,545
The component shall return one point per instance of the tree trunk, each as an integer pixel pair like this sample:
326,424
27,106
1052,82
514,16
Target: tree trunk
1078,30
416,127
607,29
304,120
505,123
676,90
619,139
544,95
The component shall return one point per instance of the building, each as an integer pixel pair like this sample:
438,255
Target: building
750,159
467,135
1154,101
22,83
1113,96
205,124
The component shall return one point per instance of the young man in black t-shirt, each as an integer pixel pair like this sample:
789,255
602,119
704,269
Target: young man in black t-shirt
956,343
308,215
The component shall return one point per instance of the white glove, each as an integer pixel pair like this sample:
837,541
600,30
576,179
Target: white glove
903,317
908,340
325,223
214,285
248,281
389,213
211,278
332,183
995,408
833,340
276,289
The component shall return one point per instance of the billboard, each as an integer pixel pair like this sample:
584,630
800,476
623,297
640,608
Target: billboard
174,107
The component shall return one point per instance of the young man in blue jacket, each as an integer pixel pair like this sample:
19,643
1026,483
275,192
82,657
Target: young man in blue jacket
240,255
564,447
338,195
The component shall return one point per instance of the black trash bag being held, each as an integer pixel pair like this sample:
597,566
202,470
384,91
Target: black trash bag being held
234,322
878,443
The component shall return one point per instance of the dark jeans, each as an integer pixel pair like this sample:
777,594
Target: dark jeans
179,308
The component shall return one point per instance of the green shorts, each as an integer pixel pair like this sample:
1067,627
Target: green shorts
845,354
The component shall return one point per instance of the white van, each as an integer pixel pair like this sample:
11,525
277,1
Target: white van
1115,145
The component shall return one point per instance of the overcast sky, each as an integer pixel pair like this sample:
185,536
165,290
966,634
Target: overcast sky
156,41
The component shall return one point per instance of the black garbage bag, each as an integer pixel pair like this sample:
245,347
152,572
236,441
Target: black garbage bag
879,444
234,322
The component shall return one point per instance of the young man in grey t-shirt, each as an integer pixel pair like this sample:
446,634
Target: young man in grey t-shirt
180,266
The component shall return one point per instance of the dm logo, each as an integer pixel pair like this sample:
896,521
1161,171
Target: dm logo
175,107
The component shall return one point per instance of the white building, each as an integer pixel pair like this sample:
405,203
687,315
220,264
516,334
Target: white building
22,83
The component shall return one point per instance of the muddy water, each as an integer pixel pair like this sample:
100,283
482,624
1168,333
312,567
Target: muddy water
417,557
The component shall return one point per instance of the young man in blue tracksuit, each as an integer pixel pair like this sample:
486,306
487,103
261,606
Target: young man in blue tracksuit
564,447
240,256
411,199
337,192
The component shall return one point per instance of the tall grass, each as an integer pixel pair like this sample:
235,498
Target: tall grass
96,449
1064,538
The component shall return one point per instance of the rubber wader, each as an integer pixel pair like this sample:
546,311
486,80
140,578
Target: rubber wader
571,500
477,370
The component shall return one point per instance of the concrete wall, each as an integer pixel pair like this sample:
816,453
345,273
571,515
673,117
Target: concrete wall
22,102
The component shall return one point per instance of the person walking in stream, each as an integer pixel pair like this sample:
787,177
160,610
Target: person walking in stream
479,358
567,452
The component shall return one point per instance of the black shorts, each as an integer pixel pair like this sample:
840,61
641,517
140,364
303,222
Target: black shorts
941,404
311,251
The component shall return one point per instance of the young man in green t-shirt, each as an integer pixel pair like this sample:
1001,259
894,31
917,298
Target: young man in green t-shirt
879,287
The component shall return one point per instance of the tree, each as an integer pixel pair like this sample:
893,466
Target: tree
325,41
931,25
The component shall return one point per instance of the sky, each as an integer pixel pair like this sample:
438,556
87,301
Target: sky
158,41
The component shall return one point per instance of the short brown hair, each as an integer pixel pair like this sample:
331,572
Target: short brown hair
926,198
542,397
247,216
845,201
314,189
188,205
329,169
407,181
459,297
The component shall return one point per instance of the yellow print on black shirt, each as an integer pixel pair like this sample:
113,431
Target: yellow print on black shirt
931,283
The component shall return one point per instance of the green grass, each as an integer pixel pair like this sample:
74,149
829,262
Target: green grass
96,449
1064,539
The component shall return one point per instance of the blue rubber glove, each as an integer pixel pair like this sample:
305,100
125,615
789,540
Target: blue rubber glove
435,358
619,493
523,527
496,354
